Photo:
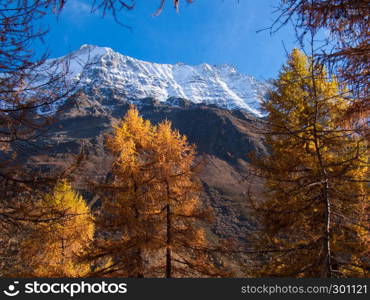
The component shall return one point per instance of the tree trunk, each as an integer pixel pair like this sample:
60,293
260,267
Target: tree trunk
168,243
140,266
138,254
327,247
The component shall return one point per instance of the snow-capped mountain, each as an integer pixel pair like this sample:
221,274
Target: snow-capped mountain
109,81
220,85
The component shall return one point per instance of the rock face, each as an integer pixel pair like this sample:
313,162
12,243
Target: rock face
216,107
223,139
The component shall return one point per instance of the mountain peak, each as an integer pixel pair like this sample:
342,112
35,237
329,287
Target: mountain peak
89,52
220,85
88,46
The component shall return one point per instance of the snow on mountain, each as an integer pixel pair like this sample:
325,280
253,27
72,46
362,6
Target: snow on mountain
220,85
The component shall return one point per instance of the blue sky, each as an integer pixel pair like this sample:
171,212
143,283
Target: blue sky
207,31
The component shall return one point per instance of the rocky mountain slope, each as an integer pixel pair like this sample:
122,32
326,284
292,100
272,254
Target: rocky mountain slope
223,139
214,106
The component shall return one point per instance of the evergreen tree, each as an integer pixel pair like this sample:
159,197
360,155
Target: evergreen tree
347,48
185,243
51,246
314,210
149,224
126,224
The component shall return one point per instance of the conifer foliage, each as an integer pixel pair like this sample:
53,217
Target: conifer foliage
151,211
347,47
51,246
314,210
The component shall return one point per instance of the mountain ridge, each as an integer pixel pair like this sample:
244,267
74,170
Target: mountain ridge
220,85
223,139
223,135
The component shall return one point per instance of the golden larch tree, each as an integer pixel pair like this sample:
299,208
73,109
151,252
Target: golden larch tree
347,46
150,220
313,213
52,245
